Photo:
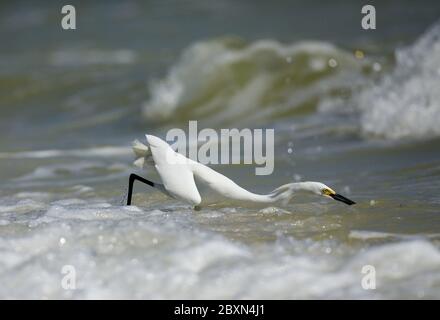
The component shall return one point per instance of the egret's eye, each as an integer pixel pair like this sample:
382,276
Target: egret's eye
327,192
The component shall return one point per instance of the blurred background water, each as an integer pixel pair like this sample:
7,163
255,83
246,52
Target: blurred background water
359,110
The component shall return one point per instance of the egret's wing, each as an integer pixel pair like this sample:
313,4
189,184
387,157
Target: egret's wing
174,171
179,181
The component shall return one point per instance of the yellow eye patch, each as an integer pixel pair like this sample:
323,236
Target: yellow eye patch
327,192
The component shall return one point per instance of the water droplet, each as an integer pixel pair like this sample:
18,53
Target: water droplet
359,54
377,67
346,190
332,63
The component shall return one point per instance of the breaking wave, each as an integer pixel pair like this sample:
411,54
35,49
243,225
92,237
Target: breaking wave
406,103
228,79
231,82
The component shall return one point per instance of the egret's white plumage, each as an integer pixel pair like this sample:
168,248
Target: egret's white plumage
176,176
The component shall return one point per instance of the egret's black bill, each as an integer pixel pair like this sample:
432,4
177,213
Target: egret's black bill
343,199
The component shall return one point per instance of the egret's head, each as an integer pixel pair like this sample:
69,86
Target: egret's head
321,189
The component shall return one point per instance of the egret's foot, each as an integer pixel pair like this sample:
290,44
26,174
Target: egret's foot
197,208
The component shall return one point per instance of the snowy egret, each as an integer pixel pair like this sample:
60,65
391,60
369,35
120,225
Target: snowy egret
179,174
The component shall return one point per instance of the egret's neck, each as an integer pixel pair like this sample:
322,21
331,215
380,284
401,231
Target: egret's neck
231,190
287,191
281,194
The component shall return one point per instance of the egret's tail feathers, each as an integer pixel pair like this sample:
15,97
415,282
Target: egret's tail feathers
139,162
141,151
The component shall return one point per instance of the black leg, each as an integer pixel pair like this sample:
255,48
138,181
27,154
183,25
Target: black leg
131,180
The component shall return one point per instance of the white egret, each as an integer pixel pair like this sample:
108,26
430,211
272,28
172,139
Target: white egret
179,174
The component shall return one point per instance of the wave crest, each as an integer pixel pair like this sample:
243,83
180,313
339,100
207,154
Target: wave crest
406,103
228,80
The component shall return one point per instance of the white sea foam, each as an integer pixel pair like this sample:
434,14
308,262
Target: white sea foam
90,152
406,103
128,252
